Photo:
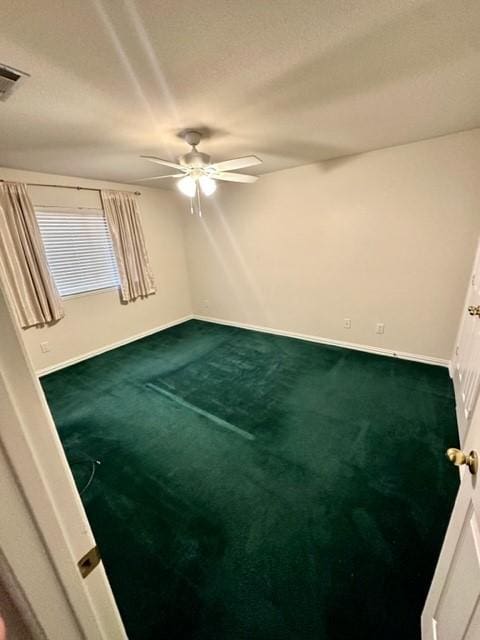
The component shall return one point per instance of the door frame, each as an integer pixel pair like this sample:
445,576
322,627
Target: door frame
46,530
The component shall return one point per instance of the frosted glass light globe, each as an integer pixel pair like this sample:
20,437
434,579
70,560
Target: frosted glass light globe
187,186
208,185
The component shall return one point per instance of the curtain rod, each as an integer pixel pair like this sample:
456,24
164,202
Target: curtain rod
67,186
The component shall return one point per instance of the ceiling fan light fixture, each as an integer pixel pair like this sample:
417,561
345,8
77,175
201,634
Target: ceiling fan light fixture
187,186
198,176
207,185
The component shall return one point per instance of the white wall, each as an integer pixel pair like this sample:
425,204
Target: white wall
387,236
96,320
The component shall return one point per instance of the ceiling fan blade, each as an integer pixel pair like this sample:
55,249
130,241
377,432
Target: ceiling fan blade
167,163
170,175
236,163
233,177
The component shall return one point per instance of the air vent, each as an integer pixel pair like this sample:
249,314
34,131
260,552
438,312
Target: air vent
10,79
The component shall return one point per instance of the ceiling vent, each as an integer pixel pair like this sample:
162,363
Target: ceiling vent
10,79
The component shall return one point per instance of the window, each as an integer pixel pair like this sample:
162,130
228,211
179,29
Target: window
79,250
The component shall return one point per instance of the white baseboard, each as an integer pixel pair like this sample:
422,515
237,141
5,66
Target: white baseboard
440,362
251,327
109,347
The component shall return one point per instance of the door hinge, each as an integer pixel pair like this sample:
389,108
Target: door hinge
473,280
89,561
456,350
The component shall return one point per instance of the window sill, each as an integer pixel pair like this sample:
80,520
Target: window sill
94,292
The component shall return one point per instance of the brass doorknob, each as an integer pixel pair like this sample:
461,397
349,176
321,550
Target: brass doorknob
458,458
474,310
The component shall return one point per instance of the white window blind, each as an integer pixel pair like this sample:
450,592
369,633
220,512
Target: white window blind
79,250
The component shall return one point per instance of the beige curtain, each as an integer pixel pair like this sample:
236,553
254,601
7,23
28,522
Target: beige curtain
23,264
123,219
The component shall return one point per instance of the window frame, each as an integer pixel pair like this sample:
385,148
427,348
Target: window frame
78,210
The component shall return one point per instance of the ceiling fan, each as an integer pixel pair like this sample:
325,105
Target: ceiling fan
197,174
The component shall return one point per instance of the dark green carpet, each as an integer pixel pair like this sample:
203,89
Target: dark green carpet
255,487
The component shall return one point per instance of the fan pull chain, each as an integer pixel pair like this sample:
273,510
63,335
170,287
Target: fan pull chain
199,204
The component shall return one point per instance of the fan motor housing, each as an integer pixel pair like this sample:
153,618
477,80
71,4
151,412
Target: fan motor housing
195,159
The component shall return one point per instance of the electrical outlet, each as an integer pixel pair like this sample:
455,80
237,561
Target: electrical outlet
206,304
380,328
347,323
45,347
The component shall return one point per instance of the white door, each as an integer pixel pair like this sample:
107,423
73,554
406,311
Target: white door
452,609
44,531
466,361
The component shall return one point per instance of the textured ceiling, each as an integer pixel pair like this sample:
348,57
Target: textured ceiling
291,81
